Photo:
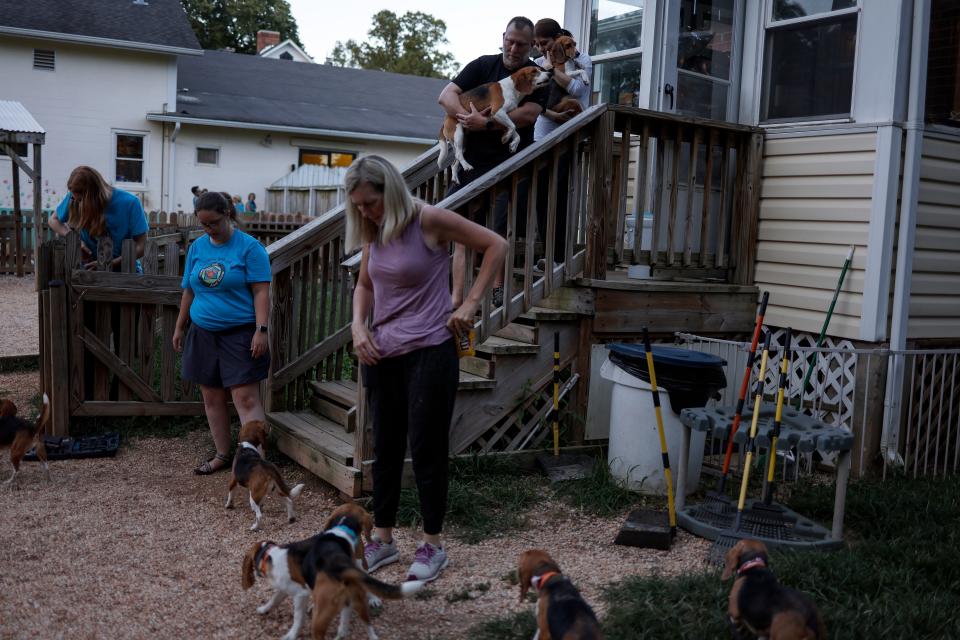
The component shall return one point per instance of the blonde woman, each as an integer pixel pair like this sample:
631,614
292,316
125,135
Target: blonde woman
408,354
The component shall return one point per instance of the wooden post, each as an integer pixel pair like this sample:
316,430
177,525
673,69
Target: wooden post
75,310
42,278
747,212
17,216
37,200
168,357
58,330
867,419
601,171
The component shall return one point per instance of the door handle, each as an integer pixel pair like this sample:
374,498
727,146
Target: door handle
668,91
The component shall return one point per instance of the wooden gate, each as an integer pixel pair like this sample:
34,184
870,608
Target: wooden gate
106,337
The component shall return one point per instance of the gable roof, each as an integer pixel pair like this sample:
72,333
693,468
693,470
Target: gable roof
274,51
152,25
234,89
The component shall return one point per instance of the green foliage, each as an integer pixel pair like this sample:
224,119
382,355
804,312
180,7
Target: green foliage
219,24
600,493
407,44
519,626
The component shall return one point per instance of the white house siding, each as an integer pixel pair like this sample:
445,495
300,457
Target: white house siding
815,202
935,289
92,91
248,164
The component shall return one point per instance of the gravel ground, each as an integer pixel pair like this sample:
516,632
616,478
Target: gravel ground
137,545
18,316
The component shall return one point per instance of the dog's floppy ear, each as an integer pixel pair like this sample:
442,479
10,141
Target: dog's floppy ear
731,560
246,575
557,51
524,79
524,572
7,408
570,48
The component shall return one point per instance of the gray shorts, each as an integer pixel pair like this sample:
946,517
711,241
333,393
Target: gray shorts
222,358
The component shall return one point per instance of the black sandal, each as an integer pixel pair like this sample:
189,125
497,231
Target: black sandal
206,468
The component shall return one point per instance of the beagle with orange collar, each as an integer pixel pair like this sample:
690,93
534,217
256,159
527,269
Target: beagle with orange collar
325,565
19,435
257,474
501,98
561,612
759,603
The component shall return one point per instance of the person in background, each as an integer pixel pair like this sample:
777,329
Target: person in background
96,209
408,354
226,298
251,203
237,204
544,33
197,192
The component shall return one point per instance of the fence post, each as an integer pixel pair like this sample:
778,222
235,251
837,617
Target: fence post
601,170
59,341
280,316
746,211
867,417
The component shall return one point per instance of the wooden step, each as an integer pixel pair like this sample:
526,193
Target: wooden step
495,345
346,417
342,392
520,332
481,367
469,381
318,445
540,314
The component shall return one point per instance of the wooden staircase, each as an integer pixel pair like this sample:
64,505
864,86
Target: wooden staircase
324,440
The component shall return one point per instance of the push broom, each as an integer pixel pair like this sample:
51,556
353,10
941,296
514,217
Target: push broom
751,441
769,486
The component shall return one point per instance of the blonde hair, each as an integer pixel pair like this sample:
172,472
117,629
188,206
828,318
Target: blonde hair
399,207
87,211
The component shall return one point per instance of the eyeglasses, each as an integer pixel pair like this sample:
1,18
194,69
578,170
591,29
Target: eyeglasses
212,225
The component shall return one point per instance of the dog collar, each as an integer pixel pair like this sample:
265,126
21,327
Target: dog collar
266,556
753,563
345,532
249,446
540,581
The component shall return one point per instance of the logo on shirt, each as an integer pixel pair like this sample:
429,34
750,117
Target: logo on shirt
212,274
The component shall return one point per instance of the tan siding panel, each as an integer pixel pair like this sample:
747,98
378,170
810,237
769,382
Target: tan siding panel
821,164
944,193
821,144
933,328
936,261
938,148
813,277
818,187
846,233
926,283
938,239
939,170
821,209
811,321
938,306
939,216
848,304
810,254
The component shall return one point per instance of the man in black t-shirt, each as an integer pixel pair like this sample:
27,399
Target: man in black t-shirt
482,146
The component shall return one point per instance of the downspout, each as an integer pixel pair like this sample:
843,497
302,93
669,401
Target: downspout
171,194
916,102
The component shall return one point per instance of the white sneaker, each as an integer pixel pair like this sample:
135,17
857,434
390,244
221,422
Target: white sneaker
380,554
428,562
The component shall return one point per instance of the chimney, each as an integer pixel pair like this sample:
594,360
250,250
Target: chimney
266,39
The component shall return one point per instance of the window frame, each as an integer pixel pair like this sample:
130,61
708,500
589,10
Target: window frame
115,157
328,151
769,25
196,156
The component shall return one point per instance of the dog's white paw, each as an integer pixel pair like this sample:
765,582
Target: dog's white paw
373,601
514,144
255,526
264,609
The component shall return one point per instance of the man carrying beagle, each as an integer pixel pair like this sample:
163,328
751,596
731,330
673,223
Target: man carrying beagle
483,147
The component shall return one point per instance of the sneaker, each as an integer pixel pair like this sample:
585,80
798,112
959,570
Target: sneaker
497,296
379,554
428,562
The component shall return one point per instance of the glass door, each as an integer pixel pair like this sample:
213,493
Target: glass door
701,58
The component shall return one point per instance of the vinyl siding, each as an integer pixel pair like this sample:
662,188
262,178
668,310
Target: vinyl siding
935,288
815,202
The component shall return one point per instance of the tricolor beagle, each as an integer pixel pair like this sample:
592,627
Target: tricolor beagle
256,473
761,604
501,98
562,613
563,53
19,435
327,566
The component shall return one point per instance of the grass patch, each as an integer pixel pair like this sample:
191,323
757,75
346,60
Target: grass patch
487,498
519,626
599,494
470,593
141,426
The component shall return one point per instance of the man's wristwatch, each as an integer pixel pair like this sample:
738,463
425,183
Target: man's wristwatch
262,328
488,124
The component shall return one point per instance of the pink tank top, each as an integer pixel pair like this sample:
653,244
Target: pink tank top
411,292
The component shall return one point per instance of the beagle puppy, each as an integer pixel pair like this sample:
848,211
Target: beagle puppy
257,474
501,98
759,603
19,435
561,612
563,53
326,566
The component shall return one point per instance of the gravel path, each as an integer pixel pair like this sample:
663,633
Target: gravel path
138,546
18,316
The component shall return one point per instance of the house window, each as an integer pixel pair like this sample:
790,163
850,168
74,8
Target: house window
129,157
704,51
209,156
943,64
615,47
809,59
326,158
44,59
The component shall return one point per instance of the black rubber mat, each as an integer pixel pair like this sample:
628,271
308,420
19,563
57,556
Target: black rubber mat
102,446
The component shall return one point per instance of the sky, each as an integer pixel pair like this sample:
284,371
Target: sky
473,29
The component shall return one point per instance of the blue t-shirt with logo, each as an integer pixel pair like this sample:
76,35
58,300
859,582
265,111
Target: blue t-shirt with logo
220,276
125,220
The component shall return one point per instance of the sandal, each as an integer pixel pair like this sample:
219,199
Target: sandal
207,467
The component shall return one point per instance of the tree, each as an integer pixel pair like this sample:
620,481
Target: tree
220,24
400,44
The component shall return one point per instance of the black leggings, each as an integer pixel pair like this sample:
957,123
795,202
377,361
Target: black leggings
412,394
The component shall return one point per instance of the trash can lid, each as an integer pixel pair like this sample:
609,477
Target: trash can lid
673,356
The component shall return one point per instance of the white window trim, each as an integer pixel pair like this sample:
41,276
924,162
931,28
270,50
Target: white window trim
616,55
767,24
113,156
196,155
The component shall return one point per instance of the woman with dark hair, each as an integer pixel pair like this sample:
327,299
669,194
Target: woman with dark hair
226,296
95,209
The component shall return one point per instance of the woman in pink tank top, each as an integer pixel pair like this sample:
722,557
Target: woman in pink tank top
408,354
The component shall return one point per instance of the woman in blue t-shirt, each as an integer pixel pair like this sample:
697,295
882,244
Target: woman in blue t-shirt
226,296
96,209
